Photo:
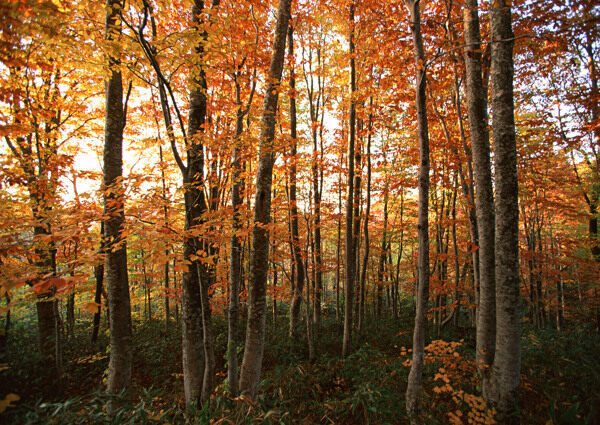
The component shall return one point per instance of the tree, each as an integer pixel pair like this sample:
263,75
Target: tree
255,329
197,339
298,284
506,369
121,351
414,389
236,247
484,195
43,106
350,246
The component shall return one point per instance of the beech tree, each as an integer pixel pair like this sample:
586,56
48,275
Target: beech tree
119,369
350,246
255,329
506,369
181,224
414,389
298,284
484,196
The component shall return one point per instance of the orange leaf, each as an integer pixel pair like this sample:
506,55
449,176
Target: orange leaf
92,307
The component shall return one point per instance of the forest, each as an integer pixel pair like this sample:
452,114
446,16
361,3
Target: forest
299,212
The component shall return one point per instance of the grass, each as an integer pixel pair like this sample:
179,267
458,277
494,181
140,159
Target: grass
560,376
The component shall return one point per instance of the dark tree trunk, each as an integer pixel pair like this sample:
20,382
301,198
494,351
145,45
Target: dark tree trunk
235,276
6,330
255,330
99,276
198,345
298,285
383,256
363,277
350,248
121,346
166,224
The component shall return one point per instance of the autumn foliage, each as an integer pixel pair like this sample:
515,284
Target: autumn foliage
190,193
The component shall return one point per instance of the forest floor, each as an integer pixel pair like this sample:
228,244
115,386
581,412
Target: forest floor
560,378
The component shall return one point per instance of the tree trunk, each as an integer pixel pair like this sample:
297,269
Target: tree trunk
363,277
6,330
456,300
71,315
166,224
383,255
414,389
235,275
99,276
309,329
484,195
121,346
198,346
255,329
504,388
298,285
350,248
339,244
191,320
317,215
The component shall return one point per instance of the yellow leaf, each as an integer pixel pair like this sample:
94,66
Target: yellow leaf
6,403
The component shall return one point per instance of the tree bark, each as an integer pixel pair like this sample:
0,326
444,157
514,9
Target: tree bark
99,276
121,345
504,388
166,224
255,329
363,277
484,195
350,248
384,254
198,345
414,389
298,285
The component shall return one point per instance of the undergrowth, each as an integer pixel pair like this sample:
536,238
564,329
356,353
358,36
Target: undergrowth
560,376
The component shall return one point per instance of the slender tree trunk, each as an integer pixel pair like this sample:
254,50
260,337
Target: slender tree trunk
71,303
350,248
99,276
309,322
317,221
298,285
468,190
255,329
383,255
484,196
166,224
356,239
121,345
456,300
338,246
235,275
414,389
363,277
176,298
4,336
399,258
71,315
506,369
